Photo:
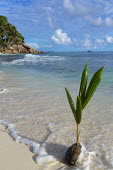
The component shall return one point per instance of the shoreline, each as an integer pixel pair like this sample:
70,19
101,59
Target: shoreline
13,154
19,155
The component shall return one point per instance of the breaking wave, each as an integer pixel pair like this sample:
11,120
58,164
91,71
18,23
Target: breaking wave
34,59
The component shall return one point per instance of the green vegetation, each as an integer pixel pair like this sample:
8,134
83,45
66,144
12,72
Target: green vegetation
9,35
85,94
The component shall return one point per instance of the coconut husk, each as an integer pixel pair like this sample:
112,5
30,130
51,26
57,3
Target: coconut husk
72,153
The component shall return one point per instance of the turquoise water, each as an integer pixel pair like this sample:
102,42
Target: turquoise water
36,102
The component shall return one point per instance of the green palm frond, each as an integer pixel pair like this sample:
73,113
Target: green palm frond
78,110
84,97
92,86
83,83
71,103
85,93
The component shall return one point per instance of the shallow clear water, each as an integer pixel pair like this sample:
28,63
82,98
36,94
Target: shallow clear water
36,102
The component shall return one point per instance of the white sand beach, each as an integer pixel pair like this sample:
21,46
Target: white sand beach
13,155
17,156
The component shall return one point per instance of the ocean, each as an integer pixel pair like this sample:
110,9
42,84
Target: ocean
34,100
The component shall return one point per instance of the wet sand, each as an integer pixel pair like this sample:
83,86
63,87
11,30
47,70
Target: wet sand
16,156
13,155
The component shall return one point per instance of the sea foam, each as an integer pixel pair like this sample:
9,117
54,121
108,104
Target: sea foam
42,157
84,159
2,90
34,59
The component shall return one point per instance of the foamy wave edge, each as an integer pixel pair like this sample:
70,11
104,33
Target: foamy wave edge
2,90
42,156
34,59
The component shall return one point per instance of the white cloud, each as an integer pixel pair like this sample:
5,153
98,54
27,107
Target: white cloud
95,21
78,8
88,7
69,6
87,42
99,41
98,21
50,21
61,38
34,45
91,11
49,16
108,6
83,43
109,39
109,22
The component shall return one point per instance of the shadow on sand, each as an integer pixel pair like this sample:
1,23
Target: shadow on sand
58,152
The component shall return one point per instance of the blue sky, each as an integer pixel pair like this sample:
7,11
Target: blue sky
62,25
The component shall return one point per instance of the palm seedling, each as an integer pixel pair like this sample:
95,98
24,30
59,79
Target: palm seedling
85,94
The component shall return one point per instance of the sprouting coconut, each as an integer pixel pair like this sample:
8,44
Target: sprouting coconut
85,94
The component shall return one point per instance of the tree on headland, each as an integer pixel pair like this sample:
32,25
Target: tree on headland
9,34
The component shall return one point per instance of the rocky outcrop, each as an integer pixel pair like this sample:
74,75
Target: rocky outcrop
19,48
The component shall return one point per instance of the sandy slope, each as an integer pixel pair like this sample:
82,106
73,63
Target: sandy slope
16,156
13,155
